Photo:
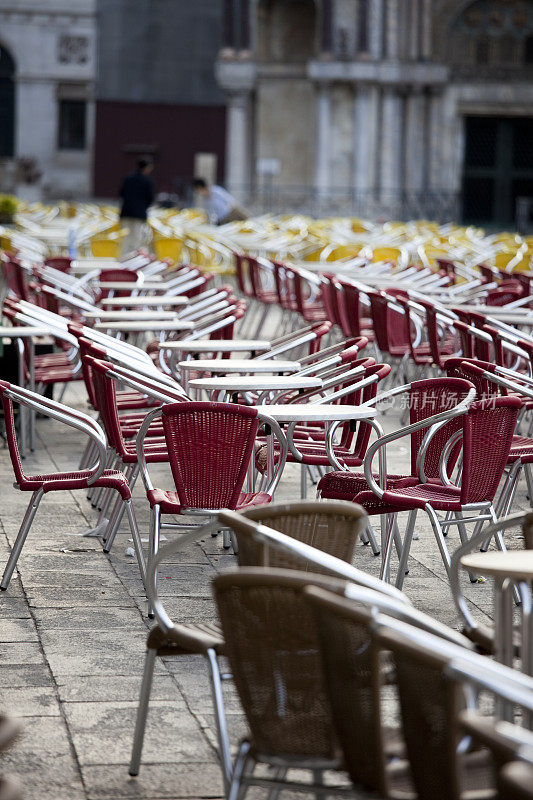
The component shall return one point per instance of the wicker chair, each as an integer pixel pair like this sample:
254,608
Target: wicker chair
332,527
335,531
436,681
356,671
273,652
508,744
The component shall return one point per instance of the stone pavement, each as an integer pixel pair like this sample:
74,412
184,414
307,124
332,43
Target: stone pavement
72,632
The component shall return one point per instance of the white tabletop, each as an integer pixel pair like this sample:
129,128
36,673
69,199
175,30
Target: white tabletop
161,300
23,330
218,346
517,564
252,383
144,325
130,315
315,412
515,316
133,285
227,365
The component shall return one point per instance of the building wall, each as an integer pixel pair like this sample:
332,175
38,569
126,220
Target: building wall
53,44
157,93
388,86
170,134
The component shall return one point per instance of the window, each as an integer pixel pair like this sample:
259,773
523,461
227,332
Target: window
7,104
72,115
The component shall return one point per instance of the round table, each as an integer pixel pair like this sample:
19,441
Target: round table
262,384
218,346
130,315
315,412
239,365
510,569
130,326
146,300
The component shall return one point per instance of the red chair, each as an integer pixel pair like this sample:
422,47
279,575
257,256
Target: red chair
61,263
210,447
442,342
96,476
486,429
351,311
390,329
423,399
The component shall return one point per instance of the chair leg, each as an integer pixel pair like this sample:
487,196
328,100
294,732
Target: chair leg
21,538
387,530
137,543
116,516
303,481
220,717
142,711
241,761
368,537
437,530
403,568
155,530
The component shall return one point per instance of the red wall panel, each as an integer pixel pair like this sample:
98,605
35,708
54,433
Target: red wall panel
171,134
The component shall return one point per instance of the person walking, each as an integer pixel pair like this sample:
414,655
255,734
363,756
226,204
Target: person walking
220,205
137,193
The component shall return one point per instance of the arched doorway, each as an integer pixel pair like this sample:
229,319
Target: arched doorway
7,104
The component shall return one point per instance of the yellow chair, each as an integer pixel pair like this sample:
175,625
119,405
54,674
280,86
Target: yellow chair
110,245
169,247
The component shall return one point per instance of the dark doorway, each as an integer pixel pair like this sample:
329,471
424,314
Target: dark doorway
7,104
498,168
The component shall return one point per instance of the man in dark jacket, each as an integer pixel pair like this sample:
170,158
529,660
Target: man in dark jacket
137,193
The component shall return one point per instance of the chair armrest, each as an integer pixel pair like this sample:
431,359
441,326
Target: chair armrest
68,416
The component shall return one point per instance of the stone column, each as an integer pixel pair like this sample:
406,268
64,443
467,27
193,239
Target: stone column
376,28
416,141
323,139
391,151
238,144
392,34
366,108
426,32
435,123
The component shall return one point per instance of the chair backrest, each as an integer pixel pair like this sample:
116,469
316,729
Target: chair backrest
111,275
331,526
432,331
389,324
351,308
62,263
488,430
428,702
273,651
209,447
353,672
472,369
105,397
242,269
427,398
11,432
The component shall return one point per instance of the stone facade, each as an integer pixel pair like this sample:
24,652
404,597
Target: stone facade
52,44
364,101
